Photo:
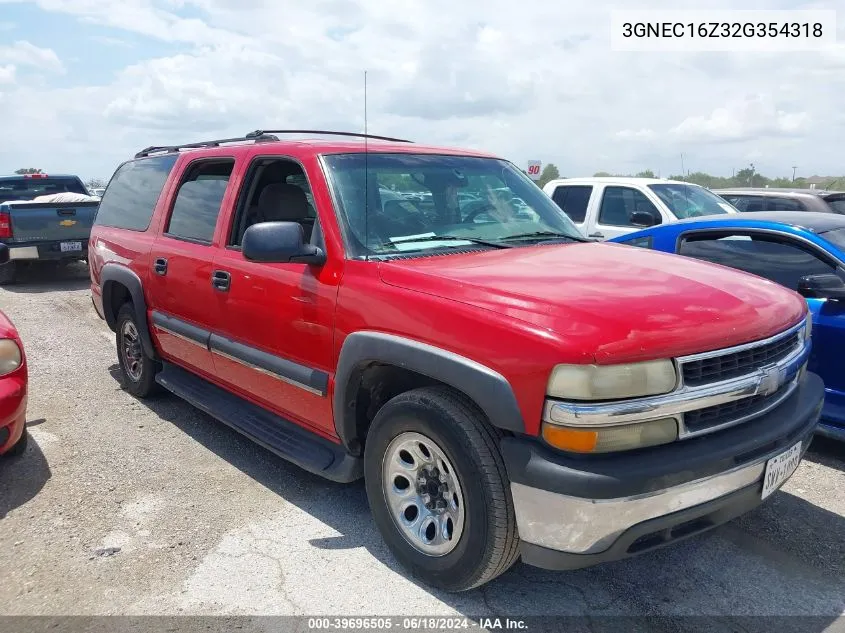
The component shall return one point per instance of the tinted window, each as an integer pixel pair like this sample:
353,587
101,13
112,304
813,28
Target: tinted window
132,194
774,258
29,187
783,204
573,201
835,237
619,203
836,202
198,201
642,242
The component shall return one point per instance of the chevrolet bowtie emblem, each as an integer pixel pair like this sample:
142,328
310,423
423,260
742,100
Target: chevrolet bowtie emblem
770,381
67,222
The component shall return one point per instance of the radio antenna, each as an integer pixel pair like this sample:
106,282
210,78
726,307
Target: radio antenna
366,179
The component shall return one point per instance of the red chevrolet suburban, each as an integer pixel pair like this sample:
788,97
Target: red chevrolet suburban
429,320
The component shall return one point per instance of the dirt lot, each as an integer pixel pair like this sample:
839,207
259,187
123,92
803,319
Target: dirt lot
123,507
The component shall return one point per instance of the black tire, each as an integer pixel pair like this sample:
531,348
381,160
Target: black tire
20,446
8,271
489,543
143,383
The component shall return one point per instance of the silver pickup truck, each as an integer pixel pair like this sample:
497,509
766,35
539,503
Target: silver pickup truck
36,227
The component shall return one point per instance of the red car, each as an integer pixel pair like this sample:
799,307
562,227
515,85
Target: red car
429,320
13,381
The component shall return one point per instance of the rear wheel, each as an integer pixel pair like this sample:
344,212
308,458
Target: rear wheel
8,271
137,369
438,489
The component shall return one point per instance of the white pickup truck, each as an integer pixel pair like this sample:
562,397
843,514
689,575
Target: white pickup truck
604,208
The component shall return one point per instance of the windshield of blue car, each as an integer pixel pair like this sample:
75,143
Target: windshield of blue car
690,201
835,237
29,187
412,199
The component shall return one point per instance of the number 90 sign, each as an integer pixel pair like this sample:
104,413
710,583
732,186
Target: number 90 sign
533,170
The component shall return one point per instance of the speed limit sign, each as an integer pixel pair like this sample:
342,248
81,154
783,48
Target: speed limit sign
534,168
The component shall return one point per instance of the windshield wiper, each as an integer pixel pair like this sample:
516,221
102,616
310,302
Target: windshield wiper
447,238
546,234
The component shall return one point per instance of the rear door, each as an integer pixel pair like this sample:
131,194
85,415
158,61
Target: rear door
574,201
180,279
783,259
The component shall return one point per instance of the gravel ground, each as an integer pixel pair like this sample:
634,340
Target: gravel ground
123,507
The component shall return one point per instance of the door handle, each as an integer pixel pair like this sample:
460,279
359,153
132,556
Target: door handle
596,234
221,280
160,266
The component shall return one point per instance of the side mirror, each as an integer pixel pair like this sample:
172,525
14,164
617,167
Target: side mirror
4,253
825,286
643,218
280,242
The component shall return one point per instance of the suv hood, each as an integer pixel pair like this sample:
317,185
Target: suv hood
620,303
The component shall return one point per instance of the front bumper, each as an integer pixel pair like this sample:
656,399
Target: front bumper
13,398
575,511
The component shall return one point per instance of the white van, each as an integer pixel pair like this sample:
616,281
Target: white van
604,208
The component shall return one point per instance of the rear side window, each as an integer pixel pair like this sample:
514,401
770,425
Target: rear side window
132,194
573,201
198,200
783,204
620,203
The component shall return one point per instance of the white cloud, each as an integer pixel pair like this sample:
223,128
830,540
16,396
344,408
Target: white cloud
753,117
23,53
7,74
524,80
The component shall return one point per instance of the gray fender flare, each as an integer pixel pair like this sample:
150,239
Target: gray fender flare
114,273
488,388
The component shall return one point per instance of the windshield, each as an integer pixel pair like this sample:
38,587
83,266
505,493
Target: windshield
27,188
835,237
427,196
690,201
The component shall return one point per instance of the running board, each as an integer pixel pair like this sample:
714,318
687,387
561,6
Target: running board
282,437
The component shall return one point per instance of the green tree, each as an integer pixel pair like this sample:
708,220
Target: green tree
647,173
550,172
28,170
95,183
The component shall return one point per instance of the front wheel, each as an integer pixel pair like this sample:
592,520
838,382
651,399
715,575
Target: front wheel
438,489
136,368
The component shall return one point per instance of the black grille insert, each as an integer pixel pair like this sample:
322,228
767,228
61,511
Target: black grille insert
717,368
729,411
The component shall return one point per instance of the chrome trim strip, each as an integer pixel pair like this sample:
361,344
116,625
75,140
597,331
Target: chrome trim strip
182,337
267,372
683,399
740,348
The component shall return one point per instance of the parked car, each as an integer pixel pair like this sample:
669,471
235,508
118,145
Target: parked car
775,199
609,207
13,384
505,388
43,230
98,191
804,252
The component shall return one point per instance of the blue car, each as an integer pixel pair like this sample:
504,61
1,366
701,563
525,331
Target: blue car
803,251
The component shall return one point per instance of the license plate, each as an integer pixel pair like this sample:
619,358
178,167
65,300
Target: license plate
69,247
779,468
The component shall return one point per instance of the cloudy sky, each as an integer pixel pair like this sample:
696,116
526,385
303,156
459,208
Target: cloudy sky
86,83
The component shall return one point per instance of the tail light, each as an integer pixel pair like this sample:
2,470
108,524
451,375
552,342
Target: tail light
5,224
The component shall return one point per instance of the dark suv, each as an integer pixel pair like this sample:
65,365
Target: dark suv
771,199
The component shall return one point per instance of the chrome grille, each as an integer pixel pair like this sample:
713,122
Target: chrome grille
732,365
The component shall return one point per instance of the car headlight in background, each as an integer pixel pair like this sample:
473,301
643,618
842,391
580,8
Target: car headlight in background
611,438
10,356
611,382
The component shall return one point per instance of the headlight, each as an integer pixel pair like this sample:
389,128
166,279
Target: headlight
808,326
611,438
611,382
10,356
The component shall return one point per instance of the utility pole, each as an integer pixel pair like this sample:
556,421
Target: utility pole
751,177
793,173
682,165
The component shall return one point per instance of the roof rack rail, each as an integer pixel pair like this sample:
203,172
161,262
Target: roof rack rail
259,133
165,149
